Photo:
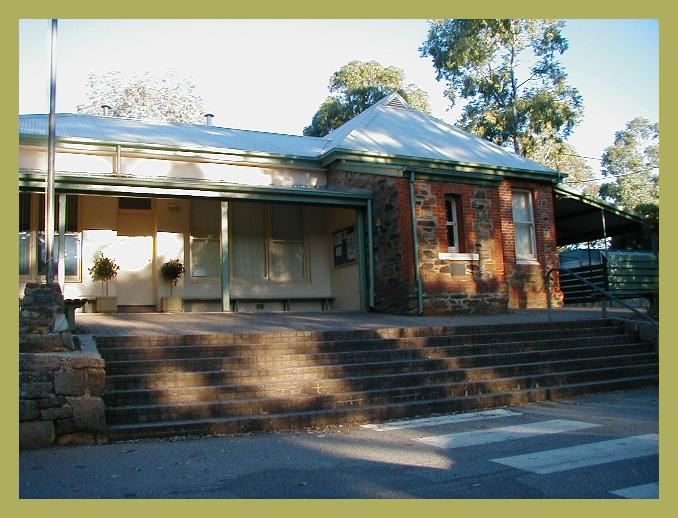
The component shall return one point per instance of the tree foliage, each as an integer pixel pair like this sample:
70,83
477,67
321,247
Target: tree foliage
565,158
508,72
169,97
632,164
355,87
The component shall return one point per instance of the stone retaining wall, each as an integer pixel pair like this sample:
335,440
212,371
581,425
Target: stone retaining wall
60,397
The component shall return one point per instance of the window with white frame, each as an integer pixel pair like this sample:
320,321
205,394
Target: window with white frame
523,221
205,246
452,224
268,243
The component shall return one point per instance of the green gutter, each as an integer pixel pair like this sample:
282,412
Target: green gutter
433,164
564,191
144,187
415,241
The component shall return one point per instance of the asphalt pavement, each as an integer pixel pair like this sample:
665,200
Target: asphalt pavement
597,446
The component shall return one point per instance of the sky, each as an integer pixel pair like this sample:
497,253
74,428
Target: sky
272,75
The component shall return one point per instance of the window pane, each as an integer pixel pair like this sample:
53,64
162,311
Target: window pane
521,207
524,241
249,240
286,223
205,257
72,256
205,218
24,253
451,242
449,207
71,213
287,261
24,212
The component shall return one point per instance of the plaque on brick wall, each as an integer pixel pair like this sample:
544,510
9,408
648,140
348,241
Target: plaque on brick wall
344,246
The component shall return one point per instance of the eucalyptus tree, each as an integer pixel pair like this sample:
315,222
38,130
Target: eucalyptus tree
355,87
168,97
508,75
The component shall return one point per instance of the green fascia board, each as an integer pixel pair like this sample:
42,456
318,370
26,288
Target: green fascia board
99,145
561,190
30,180
434,165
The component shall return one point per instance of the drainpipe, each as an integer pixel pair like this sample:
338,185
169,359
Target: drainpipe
415,241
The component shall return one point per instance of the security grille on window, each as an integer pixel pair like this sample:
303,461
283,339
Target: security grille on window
452,225
523,220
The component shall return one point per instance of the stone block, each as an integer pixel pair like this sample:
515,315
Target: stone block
36,390
64,426
88,414
36,434
70,383
76,438
60,412
96,381
28,409
51,401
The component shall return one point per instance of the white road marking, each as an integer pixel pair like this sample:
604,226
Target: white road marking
504,433
643,491
563,459
445,419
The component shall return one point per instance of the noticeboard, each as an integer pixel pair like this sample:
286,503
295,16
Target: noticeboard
344,246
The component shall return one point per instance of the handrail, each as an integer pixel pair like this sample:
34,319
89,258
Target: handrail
599,290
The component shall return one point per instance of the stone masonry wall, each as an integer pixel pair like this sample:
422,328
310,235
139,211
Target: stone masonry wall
395,290
460,286
60,397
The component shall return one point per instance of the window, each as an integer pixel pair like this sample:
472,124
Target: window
205,248
523,221
135,203
32,249
452,225
268,243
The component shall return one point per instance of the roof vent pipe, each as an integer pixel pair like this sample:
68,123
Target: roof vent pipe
208,119
106,110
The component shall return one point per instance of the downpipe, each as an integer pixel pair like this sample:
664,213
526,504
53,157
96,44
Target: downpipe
415,241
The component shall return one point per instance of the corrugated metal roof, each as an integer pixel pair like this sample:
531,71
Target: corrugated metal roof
115,129
389,127
392,127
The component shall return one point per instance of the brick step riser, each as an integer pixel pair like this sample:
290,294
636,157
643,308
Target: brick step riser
264,372
282,337
275,342
382,397
358,349
358,415
185,393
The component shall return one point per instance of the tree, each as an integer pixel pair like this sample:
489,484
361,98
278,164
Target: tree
564,157
169,98
508,72
632,163
355,87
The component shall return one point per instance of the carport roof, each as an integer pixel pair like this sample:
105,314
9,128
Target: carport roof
579,218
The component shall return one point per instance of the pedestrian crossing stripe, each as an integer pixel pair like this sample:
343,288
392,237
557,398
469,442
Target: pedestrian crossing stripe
440,420
650,490
504,433
591,454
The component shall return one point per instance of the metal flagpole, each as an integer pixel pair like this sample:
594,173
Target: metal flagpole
51,147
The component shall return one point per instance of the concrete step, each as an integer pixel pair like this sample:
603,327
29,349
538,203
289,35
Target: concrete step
217,385
352,414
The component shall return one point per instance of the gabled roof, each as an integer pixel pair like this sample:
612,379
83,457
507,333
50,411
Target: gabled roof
190,136
390,128
393,127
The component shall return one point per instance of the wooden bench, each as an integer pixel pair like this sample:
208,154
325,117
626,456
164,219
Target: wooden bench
325,302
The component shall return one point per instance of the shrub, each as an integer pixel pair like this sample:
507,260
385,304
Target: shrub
103,269
171,271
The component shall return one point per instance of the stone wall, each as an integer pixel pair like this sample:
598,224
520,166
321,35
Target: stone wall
60,397
395,289
491,283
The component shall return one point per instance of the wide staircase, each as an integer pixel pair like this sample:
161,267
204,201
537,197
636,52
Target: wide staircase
227,383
